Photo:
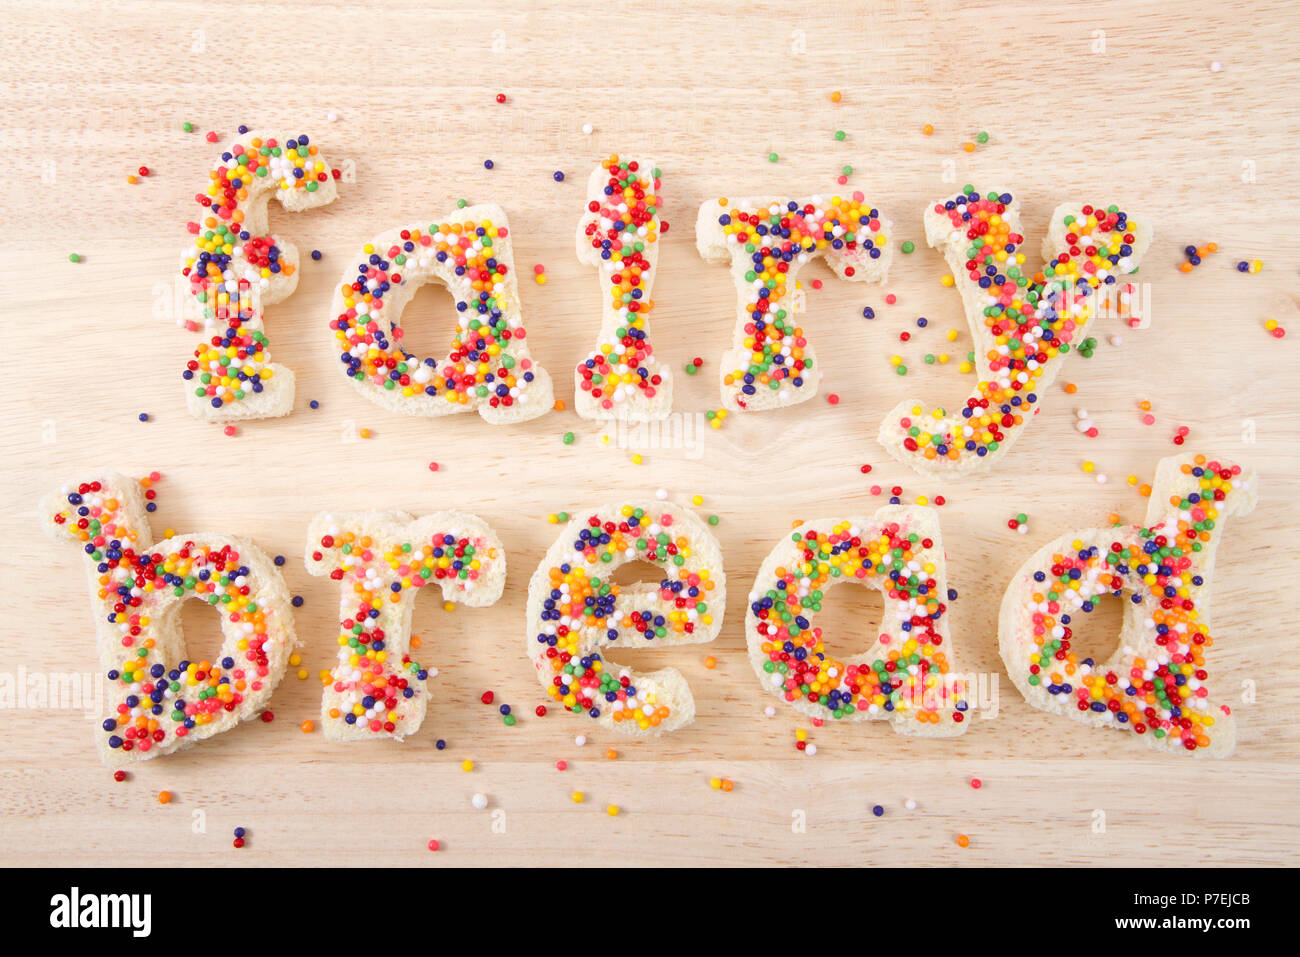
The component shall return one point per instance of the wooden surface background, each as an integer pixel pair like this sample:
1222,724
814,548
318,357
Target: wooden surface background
1090,100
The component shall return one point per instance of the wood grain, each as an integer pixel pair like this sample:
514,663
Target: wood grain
92,92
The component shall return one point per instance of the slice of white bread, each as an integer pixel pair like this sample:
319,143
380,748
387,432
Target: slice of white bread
164,693
1029,613
608,225
785,650
553,629
367,574
996,385
245,288
412,253
867,259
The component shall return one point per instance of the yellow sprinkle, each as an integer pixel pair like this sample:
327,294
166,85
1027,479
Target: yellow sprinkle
467,765
612,810
948,281
1088,466
697,499
715,783
577,797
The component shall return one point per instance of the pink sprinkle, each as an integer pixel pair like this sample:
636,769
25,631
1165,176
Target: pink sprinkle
434,845
229,430
816,283
561,765
875,490
211,137
433,466
976,783
1148,419
1092,433
833,399
891,299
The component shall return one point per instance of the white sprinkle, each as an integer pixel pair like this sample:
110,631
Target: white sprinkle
661,493
811,749
1101,478
910,804
1216,66
1022,528
586,128
332,116
580,740
479,801
1116,340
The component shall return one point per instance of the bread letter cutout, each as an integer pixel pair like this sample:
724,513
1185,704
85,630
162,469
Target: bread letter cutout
771,364
1157,681
237,267
908,676
488,369
162,700
576,611
382,559
1023,326
619,235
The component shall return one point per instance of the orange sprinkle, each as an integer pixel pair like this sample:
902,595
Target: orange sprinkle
836,96
559,405
968,146
611,754
1071,388
963,840
710,662
164,797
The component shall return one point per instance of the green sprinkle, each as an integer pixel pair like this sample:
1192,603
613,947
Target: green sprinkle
772,157
846,170
981,137
188,127
908,246
901,370
462,203
74,258
691,368
568,438
839,135
713,520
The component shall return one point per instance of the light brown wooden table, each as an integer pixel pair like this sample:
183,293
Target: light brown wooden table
1087,100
